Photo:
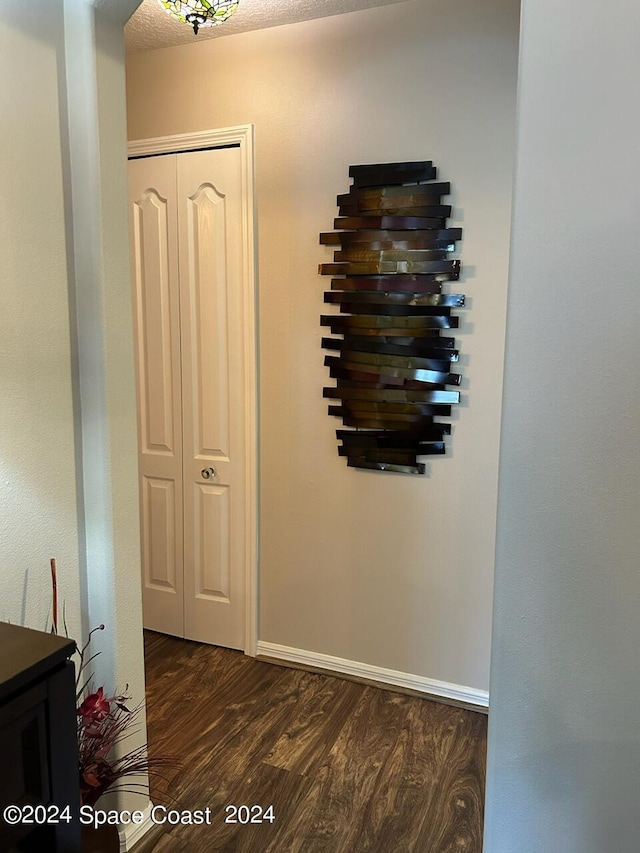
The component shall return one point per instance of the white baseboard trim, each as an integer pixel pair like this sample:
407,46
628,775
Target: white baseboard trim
133,832
428,686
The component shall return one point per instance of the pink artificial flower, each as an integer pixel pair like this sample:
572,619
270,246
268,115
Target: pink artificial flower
95,708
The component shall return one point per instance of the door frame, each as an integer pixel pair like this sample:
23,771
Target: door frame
241,136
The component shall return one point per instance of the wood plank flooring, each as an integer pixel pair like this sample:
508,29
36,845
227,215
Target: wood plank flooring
348,768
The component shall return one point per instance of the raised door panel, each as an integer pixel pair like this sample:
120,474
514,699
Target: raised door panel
158,533
211,537
207,214
155,344
154,264
214,417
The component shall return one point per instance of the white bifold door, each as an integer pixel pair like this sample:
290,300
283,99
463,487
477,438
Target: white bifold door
187,261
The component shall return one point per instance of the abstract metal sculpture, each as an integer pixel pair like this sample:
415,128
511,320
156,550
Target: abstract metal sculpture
392,364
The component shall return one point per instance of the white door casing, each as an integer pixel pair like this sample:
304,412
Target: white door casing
215,269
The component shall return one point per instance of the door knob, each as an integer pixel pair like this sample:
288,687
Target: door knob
207,473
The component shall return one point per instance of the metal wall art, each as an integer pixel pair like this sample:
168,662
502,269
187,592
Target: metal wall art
391,363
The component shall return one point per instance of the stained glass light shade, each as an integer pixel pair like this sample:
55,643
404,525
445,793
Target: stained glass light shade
200,13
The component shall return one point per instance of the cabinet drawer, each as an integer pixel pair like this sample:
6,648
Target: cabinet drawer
23,745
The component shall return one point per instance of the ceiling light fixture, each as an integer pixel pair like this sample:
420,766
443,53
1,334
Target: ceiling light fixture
200,13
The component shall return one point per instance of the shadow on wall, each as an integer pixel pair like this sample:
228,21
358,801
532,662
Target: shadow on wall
564,779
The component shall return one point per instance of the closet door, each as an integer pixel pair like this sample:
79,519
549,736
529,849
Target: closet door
211,244
154,264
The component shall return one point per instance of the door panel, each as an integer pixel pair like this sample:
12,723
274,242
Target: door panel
159,411
211,241
206,228
212,538
159,512
154,263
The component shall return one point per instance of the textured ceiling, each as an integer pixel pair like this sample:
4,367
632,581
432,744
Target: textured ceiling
118,10
151,27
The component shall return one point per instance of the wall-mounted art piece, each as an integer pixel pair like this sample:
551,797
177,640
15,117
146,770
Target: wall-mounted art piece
391,350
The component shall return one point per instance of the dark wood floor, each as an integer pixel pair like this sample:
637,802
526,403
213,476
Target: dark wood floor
346,767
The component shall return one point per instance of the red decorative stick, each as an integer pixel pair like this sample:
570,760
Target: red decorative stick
54,595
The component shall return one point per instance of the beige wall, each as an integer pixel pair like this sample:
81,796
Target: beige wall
389,570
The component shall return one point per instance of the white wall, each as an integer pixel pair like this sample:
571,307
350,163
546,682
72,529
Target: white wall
564,748
68,460
388,570
106,429
38,517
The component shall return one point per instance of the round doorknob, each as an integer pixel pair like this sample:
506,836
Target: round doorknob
207,473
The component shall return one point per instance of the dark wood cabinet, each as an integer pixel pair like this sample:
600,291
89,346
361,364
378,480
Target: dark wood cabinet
38,742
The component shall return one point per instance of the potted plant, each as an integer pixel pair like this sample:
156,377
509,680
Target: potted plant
104,721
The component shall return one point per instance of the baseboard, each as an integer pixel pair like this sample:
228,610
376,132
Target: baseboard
132,833
366,672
